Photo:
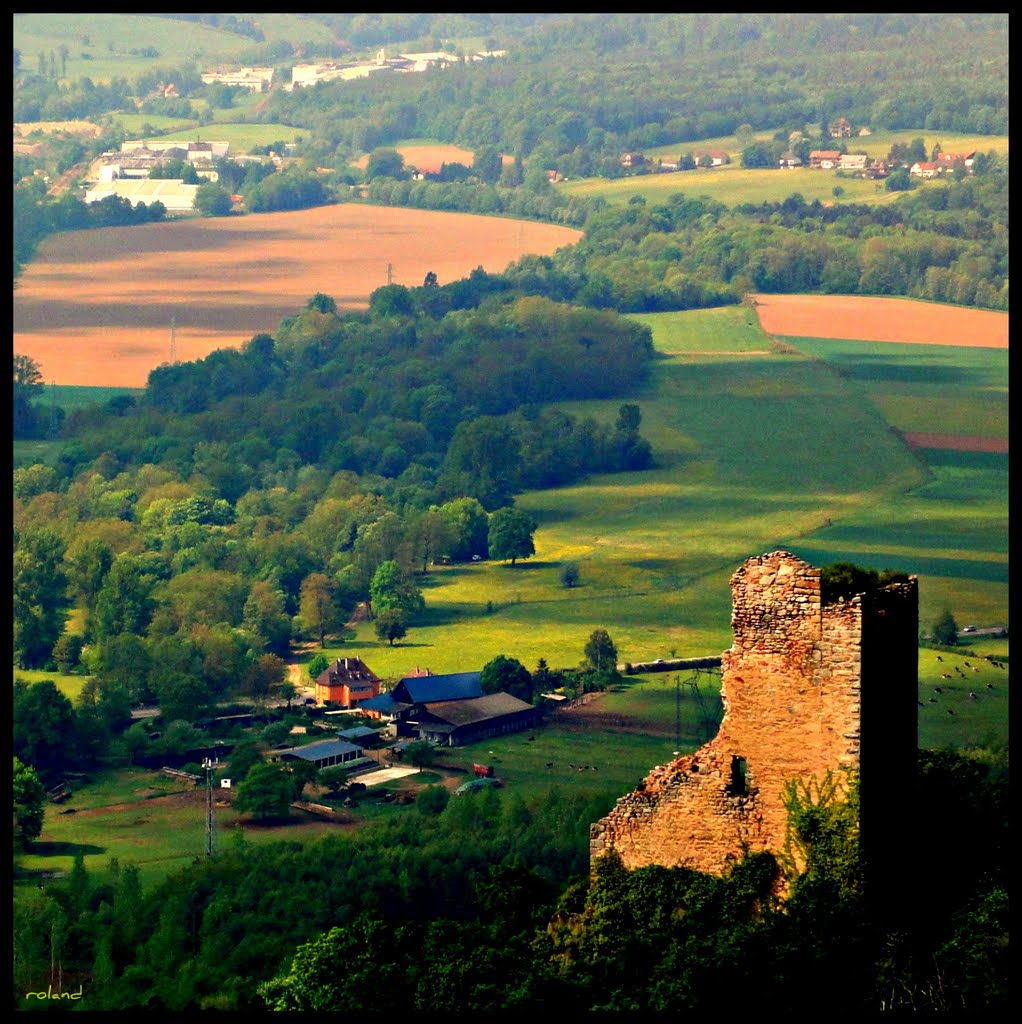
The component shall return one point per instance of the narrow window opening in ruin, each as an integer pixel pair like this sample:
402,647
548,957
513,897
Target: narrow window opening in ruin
739,782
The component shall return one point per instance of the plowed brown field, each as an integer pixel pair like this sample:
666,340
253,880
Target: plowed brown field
99,307
869,319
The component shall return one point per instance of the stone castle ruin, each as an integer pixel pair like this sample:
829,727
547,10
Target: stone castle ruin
806,687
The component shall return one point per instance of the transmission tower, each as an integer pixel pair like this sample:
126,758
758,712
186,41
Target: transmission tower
209,764
173,341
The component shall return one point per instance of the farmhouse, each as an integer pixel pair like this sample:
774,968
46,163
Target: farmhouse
176,196
808,688
401,705
789,161
712,158
457,722
347,683
632,160
824,159
923,169
853,162
841,128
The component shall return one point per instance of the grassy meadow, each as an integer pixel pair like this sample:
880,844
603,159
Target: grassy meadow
758,446
112,41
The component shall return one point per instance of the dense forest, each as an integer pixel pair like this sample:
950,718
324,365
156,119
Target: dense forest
482,904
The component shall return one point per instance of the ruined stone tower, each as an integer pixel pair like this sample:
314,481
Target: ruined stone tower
806,687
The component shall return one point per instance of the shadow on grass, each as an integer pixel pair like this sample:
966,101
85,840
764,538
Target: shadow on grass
45,848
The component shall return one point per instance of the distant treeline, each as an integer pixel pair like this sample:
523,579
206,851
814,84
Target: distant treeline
575,92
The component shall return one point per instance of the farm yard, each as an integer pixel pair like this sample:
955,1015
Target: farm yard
98,307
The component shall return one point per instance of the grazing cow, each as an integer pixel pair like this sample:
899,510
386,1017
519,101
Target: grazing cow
920,703
939,658
937,689
549,764
933,700
972,696
990,686
950,711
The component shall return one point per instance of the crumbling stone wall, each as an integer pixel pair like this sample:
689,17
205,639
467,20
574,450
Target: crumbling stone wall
792,685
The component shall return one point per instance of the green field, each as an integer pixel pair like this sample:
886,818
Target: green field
110,39
758,447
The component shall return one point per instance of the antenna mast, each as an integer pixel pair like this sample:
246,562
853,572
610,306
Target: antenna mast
173,341
209,764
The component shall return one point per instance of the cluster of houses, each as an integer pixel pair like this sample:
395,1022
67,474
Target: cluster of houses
819,160
127,173
449,710
305,75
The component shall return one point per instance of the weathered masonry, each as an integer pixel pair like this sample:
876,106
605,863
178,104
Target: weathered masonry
806,687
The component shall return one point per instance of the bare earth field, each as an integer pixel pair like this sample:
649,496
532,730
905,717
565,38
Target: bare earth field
868,319
898,320
98,307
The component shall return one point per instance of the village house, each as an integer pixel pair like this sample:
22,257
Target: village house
788,161
824,159
712,158
923,169
841,128
632,160
347,683
853,162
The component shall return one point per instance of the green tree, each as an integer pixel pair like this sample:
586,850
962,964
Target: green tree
391,625
303,773
506,675
510,534
470,526
125,602
421,754
212,200
244,756
29,797
28,385
335,778
318,610
67,652
317,666
266,791
570,574
265,618
39,595
432,801
313,983
44,733
394,588
263,678
600,651
385,163
482,462
945,629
